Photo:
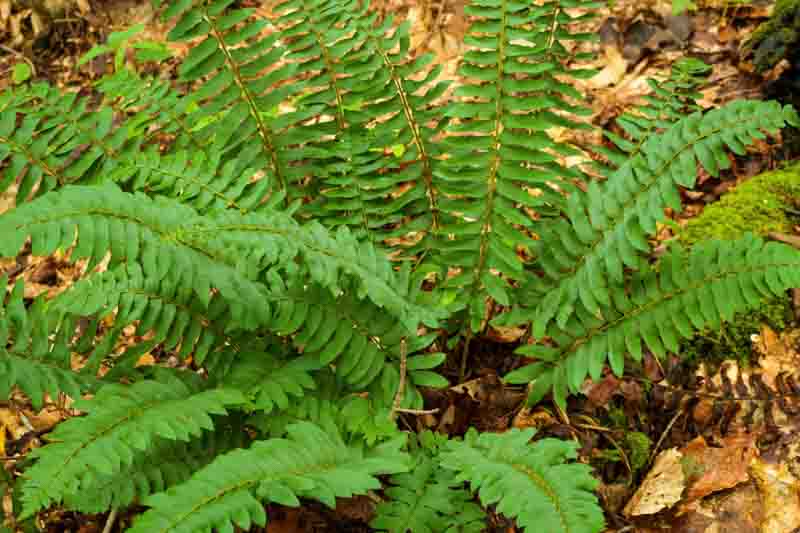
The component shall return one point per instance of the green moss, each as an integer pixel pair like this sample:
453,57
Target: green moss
766,203
760,205
637,445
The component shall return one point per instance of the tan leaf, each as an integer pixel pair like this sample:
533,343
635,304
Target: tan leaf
662,488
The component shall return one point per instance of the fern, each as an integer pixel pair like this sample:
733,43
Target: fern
310,223
533,483
309,463
31,361
123,421
428,498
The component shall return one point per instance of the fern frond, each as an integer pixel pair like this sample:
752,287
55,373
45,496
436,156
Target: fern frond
29,359
670,101
608,226
309,463
537,484
48,139
690,290
172,242
428,498
377,177
499,156
270,382
123,421
243,79
166,463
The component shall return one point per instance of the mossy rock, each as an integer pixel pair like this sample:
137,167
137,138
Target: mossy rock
778,38
766,203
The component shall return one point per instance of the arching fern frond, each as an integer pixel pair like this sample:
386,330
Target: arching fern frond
608,226
309,463
49,139
228,251
166,463
690,290
537,484
670,101
122,422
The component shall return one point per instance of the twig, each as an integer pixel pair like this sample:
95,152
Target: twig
401,387
110,521
417,411
462,371
19,55
663,436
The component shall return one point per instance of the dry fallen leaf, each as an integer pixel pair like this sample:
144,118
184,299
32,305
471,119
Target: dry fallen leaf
721,467
662,488
780,494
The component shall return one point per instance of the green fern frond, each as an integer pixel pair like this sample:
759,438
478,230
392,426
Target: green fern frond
173,313
428,498
690,290
670,101
309,463
29,359
156,109
270,382
499,156
123,421
166,464
243,79
377,177
49,139
537,484
609,225
227,251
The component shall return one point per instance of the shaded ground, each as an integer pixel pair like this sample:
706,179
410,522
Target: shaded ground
720,467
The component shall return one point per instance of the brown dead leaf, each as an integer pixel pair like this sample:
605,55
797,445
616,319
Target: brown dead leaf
600,392
720,468
662,488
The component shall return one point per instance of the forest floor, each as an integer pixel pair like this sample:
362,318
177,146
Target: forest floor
669,457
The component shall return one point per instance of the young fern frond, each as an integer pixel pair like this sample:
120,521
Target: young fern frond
688,291
428,498
538,484
123,421
309,463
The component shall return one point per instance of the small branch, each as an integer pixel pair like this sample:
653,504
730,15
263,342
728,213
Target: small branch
110,521
401,387
21,56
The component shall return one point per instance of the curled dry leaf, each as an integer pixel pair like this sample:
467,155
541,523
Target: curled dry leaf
719,468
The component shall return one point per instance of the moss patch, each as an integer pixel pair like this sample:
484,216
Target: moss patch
766,203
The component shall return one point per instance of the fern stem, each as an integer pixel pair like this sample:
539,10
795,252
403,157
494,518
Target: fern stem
401,386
